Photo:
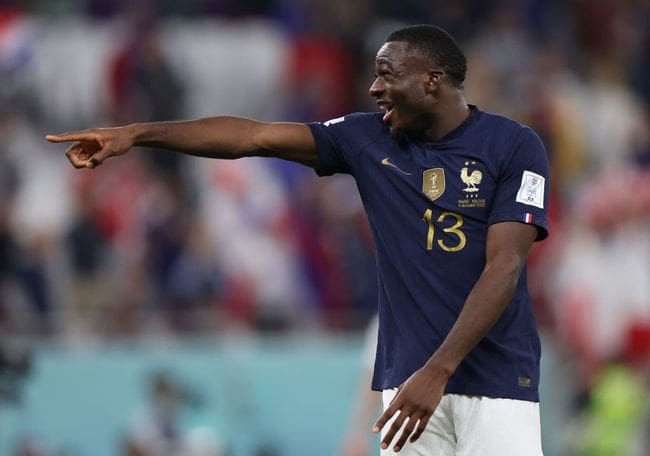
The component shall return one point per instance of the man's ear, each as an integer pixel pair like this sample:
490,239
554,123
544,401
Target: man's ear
435,78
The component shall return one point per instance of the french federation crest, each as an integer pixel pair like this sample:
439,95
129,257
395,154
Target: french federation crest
471,180
433,183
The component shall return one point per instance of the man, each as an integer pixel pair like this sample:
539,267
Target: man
455,198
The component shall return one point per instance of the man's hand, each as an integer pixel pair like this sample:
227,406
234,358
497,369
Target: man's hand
416,401
91,147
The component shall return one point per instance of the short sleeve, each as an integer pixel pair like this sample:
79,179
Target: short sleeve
339,140
523,186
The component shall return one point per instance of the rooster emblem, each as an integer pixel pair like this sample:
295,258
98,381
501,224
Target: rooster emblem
471,180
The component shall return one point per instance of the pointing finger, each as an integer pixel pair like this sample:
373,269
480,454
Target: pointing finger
74,136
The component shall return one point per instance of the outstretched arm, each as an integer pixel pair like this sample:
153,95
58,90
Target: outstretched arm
214,137
507,247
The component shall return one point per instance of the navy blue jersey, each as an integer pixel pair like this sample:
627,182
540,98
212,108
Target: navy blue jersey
429,205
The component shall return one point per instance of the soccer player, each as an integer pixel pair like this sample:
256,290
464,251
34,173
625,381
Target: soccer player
455,197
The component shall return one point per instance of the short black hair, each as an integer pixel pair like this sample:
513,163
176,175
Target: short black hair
434,42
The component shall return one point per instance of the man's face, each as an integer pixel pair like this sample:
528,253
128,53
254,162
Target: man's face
400,80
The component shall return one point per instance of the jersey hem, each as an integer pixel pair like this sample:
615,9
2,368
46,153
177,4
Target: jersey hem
530,396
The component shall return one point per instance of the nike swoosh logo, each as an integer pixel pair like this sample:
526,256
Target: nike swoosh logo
386,162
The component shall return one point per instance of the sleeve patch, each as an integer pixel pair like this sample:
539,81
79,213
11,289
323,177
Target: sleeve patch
334,121
531,191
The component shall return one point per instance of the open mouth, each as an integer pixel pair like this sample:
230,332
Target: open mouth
389,108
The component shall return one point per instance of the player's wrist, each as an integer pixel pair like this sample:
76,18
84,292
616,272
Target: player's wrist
440,368
138,134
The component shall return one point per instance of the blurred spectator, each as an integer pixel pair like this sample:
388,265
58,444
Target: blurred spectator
605,235
86,246
159,431
180,259
17,40
27,246
8,249
245,210
616,414
504,44
611,103
337,253
16,364
142,83
319,78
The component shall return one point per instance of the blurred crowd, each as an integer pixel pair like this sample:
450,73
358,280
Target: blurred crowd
159,244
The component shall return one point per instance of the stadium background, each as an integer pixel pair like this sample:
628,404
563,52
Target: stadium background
241,290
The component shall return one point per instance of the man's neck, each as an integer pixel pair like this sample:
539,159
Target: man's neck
449,116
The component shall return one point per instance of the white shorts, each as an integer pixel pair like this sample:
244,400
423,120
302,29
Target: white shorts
474,426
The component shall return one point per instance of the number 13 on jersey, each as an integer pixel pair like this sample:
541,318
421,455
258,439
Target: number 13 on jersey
454,229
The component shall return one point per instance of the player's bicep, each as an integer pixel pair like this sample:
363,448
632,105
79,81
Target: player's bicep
286,140
508,244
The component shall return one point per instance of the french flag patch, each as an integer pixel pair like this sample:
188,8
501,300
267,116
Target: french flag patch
528,217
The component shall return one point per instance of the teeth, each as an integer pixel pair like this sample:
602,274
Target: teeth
388,115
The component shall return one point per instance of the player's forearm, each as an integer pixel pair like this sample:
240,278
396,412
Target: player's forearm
483,307
214,137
